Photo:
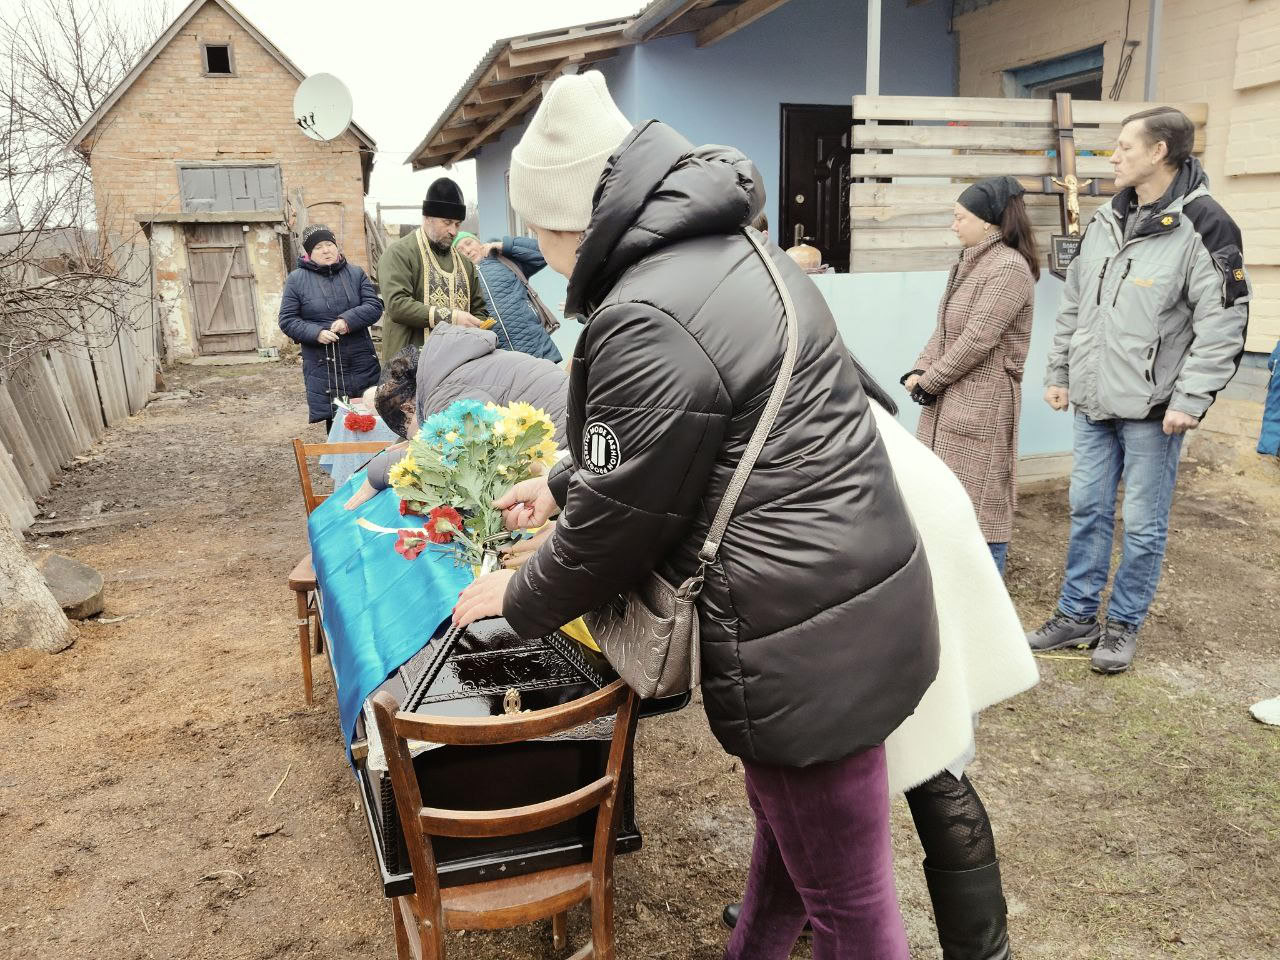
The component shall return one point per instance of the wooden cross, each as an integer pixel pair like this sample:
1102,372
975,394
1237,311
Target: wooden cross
1066,187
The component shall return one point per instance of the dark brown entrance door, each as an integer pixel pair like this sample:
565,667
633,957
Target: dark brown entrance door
814,205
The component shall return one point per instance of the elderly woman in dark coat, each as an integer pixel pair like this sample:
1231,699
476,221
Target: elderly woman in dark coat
969,375
818,630
328,307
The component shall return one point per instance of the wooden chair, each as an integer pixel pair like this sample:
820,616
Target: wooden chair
422,917
302,578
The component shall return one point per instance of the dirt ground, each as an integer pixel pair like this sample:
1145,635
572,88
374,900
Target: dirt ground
1137,816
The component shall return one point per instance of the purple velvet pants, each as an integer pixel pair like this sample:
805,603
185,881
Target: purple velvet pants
821,853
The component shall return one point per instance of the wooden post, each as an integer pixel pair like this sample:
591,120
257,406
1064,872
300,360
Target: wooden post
1154,16
873,48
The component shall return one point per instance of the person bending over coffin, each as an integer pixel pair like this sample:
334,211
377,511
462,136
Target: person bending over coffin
458,363
818,637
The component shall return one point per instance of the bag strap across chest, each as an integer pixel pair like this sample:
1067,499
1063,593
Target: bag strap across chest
759,436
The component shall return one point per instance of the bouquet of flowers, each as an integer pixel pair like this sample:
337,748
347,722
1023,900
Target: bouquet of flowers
460,461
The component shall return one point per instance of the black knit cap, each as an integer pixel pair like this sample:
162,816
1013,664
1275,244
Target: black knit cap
987,199
316,233
444,200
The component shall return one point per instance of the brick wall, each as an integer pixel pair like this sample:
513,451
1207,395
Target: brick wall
172,114
1225,53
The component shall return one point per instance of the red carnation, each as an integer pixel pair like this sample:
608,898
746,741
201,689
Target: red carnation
359,422
408,508
410,543
443,524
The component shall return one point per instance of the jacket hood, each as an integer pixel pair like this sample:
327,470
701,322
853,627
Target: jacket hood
1189,179
325,270
446,349
656,190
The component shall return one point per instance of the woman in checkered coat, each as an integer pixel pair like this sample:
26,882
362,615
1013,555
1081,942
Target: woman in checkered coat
969,375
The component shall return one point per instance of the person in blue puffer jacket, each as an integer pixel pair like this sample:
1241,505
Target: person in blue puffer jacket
1269,439
521,320
328,306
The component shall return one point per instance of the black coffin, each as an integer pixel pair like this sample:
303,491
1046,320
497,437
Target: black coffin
473,674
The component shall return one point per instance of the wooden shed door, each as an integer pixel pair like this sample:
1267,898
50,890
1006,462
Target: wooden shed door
222,288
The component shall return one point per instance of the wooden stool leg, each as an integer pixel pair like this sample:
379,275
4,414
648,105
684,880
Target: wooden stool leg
560,930
304,642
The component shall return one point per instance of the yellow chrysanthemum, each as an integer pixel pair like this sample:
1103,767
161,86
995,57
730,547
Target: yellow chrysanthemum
545,452
506,430
452,436
522,413
404,472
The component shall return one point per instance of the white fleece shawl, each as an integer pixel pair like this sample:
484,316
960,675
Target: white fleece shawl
984,657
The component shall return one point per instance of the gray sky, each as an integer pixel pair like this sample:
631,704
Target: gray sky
376,46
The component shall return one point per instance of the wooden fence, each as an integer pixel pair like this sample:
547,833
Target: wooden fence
919,151
57,403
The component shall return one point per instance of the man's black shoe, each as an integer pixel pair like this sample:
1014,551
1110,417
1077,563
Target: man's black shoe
1061,631
1116,649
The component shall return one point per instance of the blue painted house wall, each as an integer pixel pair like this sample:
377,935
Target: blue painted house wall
809,51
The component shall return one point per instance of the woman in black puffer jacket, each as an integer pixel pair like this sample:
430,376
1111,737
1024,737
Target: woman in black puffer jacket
818,630
328,306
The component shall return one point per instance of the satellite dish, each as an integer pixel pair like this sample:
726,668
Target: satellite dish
322,107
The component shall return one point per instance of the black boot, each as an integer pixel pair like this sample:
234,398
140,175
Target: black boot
969,909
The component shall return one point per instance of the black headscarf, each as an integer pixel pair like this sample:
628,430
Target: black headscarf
987,199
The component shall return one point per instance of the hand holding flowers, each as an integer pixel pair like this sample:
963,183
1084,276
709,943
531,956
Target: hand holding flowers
456,469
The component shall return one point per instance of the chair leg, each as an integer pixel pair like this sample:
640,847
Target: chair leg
304,642
402,935
560,930
318,633
602,922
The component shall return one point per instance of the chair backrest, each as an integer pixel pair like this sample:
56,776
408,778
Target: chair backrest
304,451
420,822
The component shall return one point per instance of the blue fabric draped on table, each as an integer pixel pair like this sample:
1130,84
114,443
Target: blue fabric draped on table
340,466
379,608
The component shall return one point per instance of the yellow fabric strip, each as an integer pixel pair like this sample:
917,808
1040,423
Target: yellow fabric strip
578,631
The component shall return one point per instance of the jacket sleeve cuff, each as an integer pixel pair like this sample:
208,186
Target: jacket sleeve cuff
1054,377
558,480
1188,405
929,383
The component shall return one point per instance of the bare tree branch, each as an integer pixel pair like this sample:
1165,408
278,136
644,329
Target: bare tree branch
62,282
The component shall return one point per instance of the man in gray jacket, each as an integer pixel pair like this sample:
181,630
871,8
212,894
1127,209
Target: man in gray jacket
1152,326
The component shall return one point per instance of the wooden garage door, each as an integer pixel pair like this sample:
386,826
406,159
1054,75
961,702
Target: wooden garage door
222,288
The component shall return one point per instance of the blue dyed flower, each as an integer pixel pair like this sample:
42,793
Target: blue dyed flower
465,407
442,431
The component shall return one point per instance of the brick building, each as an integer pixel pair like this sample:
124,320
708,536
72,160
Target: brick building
198,145
1224,53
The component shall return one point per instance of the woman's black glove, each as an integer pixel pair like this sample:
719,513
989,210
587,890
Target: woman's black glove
923,397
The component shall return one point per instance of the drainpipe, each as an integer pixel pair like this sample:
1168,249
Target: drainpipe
873,48
1153,49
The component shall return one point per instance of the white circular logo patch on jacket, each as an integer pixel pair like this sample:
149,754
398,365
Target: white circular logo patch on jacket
601,451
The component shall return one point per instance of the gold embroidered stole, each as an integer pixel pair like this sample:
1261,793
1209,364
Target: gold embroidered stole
443,289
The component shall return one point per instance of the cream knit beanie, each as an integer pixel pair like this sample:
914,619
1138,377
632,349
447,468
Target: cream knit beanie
557,163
